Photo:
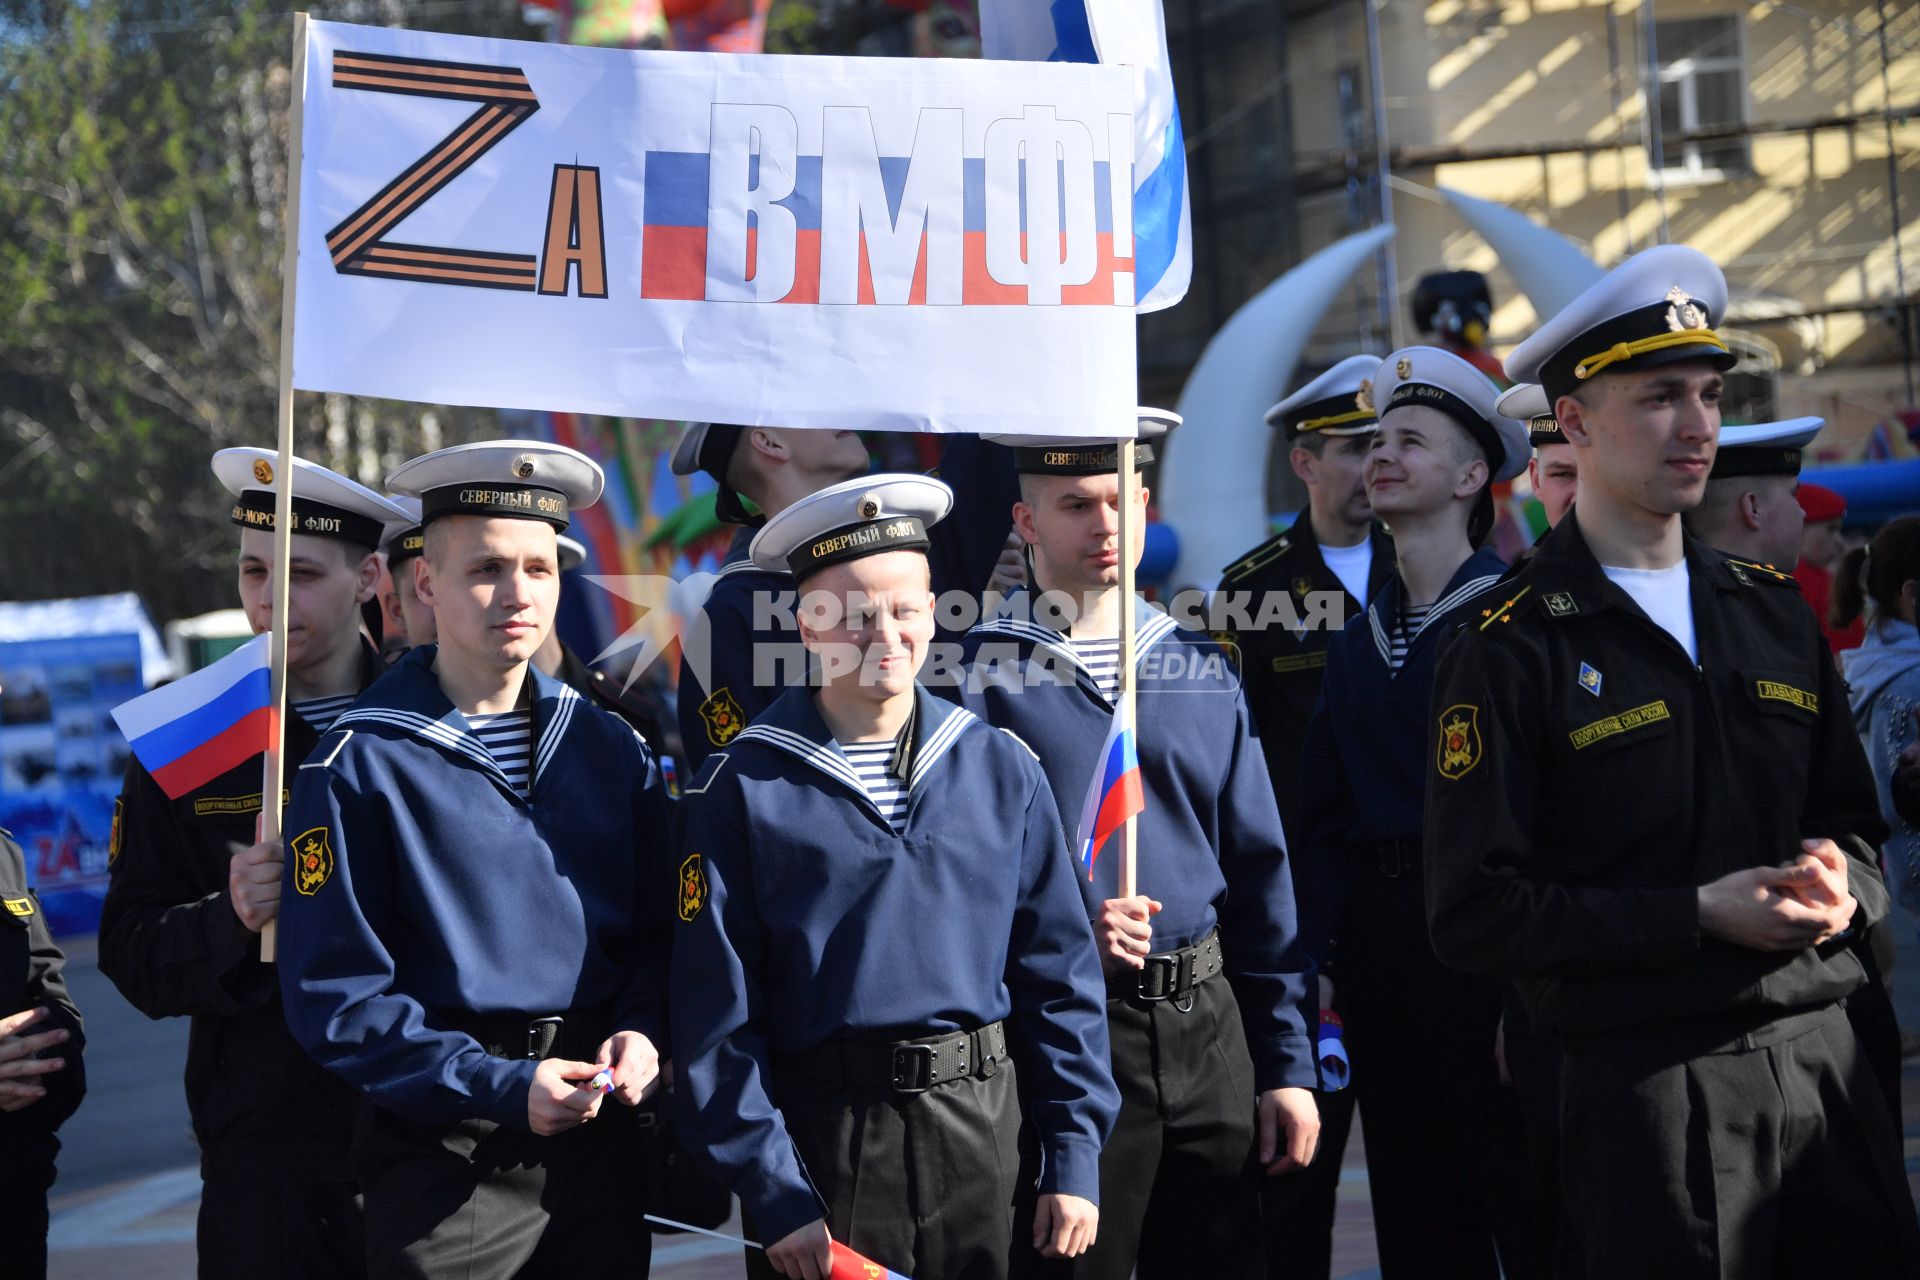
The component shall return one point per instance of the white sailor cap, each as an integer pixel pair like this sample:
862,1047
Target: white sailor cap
860,517
1656,308
325,503
404,539
1081,456
708,447
509,479
1442,380
1764,448
1527,401
1337,403
573,553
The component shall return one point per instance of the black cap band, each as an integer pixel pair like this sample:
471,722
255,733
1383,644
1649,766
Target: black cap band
508,501
1545,430
1614,346
1755,460
855,541
254,509
1422,393
1076,460
1336,415
406,545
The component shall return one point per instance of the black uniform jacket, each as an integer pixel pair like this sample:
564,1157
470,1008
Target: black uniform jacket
1281,667
31,978
1586,777
169,939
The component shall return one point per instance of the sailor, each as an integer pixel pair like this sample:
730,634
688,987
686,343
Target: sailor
610,693
179,931
1647,805
476,905
1421,1036
408,620
881,954
1206,981
741,649
1554,469
1323,569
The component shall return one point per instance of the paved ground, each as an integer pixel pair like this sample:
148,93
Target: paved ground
125,1202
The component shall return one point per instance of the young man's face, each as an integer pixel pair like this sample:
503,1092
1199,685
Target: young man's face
870,621
1421,461
1555,469
493,585
406,614
1073,523
1335,476
328,582
1647,438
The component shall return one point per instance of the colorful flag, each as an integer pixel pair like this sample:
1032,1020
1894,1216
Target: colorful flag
1128,33
191,731
848,1265
1116,794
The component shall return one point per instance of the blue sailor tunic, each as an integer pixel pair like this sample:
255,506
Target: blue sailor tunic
1211,849
806,918
421,890
749,612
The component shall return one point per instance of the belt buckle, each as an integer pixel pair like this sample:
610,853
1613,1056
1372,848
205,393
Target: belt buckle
912,1068
1169,964
536,1029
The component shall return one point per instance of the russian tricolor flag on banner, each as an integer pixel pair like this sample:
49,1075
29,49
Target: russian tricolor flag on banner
1116,793
1128,33
848,1265
191,731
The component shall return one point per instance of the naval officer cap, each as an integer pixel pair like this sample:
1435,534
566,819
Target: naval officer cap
1443,381
506,479
404,539
1764,448
325,503
1081,456
1657,308
1337,403
1528,403
708,447
861,517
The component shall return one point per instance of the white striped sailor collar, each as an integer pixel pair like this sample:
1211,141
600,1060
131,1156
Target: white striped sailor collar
740,560
424,712
793,725
1150,627
1479,572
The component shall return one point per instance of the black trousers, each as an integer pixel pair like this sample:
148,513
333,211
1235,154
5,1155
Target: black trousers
26,1172
1179,1193
1533,1061
1297,1208
1446,1143
251,1226
1764,1163
484,1202
922,1183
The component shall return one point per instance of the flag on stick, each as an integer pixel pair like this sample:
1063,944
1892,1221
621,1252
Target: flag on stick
191,731
1116,793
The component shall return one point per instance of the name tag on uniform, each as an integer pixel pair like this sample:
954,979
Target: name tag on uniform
1775,691
1299,662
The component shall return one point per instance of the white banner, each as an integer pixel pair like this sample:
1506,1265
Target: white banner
827,242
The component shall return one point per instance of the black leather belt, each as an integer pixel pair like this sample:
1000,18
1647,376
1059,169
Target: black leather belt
1169,975
1395,858
904,1066
576,1033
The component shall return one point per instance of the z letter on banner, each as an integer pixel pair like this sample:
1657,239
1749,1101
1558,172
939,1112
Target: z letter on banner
802,241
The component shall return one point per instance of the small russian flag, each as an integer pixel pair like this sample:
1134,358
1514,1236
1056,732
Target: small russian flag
848,1265
1116,793
191,731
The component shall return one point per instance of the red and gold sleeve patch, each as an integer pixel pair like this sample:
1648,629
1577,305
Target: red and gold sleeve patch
312,861
1460,748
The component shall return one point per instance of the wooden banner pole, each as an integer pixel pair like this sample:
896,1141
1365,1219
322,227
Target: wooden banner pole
274,779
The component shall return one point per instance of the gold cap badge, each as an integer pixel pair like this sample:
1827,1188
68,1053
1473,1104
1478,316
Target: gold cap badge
263,471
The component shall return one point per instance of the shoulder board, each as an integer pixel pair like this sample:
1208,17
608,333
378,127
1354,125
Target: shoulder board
708,772
323,755
1508,596
1747,573
1022,741
1265,553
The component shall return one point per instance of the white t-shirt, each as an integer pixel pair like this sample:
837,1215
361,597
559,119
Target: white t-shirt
1662,596
1352,565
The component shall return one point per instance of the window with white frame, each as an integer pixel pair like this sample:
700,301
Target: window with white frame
1703,85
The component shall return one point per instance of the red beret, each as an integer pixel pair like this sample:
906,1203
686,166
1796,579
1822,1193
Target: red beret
1820,503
